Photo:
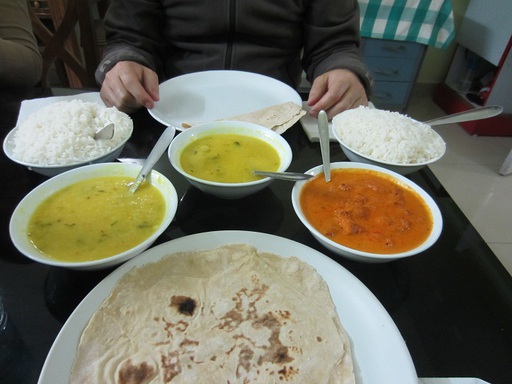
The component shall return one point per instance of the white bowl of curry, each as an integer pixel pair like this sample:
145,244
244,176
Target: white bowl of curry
218,157
367,213
87,218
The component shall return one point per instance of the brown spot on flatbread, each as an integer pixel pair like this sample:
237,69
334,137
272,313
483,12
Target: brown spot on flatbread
184,304
287,373
171,366
276,352
130,373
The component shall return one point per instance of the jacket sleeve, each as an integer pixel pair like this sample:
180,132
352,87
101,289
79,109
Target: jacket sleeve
20,61
134,33
332,39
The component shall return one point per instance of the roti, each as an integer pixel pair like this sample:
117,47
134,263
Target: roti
228,315
278,117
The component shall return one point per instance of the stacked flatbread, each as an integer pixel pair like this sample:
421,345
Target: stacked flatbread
228,315
278,117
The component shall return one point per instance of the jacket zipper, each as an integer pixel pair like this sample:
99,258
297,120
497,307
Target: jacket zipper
228,62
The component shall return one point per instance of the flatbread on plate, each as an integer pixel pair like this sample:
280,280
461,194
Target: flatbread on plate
278,117
227,315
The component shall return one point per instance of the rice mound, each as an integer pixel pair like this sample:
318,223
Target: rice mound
388,136
62,133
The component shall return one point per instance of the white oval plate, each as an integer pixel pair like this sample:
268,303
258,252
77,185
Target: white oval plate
201,97
379,351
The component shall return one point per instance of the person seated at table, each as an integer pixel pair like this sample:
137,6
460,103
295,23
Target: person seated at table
20,60
148,41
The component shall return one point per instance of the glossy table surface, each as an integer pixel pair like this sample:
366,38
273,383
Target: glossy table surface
452,303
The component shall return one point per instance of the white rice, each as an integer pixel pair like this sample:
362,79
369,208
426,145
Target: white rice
388,136
62,133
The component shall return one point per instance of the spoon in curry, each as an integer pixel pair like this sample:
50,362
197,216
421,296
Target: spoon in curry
287,176
323,133
155,154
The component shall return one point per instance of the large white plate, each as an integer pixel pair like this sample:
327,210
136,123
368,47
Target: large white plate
380,354
211,95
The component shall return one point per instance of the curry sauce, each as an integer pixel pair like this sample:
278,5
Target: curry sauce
367,211
228,158
95,218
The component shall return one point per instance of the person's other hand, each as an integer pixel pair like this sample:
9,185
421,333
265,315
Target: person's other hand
336,91
129,86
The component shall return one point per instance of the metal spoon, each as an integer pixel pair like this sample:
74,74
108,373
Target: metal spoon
105,133
323,133
470,115
288,176
155,154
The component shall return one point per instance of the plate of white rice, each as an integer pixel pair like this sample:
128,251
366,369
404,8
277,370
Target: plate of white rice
60,136
387,138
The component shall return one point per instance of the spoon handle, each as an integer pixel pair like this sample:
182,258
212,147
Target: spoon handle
155,154
288,176
323,133
470,115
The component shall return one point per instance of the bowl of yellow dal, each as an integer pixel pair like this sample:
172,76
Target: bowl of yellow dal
87,218
218,157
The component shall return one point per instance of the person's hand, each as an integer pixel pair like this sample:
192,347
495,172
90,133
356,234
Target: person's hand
336,91
129,86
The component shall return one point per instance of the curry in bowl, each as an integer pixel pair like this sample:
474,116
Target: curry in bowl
219,157
87,218
367,213
366,210
95,218
229,158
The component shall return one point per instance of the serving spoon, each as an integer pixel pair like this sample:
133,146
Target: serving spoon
155,154
105,133
288,176
323,133
469,115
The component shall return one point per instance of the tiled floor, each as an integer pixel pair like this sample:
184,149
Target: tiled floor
469,171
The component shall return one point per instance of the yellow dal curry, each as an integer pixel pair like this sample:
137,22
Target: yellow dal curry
96,218
367,211
228,158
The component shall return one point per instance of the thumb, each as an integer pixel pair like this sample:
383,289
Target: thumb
318,89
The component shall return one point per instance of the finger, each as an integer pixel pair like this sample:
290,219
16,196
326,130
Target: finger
150,83
137,93
335,97
318,89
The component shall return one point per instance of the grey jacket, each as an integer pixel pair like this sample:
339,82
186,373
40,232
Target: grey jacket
277,38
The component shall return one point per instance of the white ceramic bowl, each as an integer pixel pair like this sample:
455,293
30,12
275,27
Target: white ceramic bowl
229,190
23,212
355,254
402,169
372,124
52,170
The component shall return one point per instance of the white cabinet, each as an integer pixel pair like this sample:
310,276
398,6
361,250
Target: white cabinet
481,70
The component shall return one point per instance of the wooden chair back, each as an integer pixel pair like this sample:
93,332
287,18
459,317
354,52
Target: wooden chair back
73,40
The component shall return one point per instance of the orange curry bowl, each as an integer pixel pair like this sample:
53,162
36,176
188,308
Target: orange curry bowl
367,213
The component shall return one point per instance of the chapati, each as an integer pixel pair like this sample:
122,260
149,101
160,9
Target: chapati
228,315
278,117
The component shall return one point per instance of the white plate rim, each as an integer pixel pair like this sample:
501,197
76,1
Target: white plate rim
380,353
202,82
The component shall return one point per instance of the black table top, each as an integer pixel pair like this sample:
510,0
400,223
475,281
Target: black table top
452,303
